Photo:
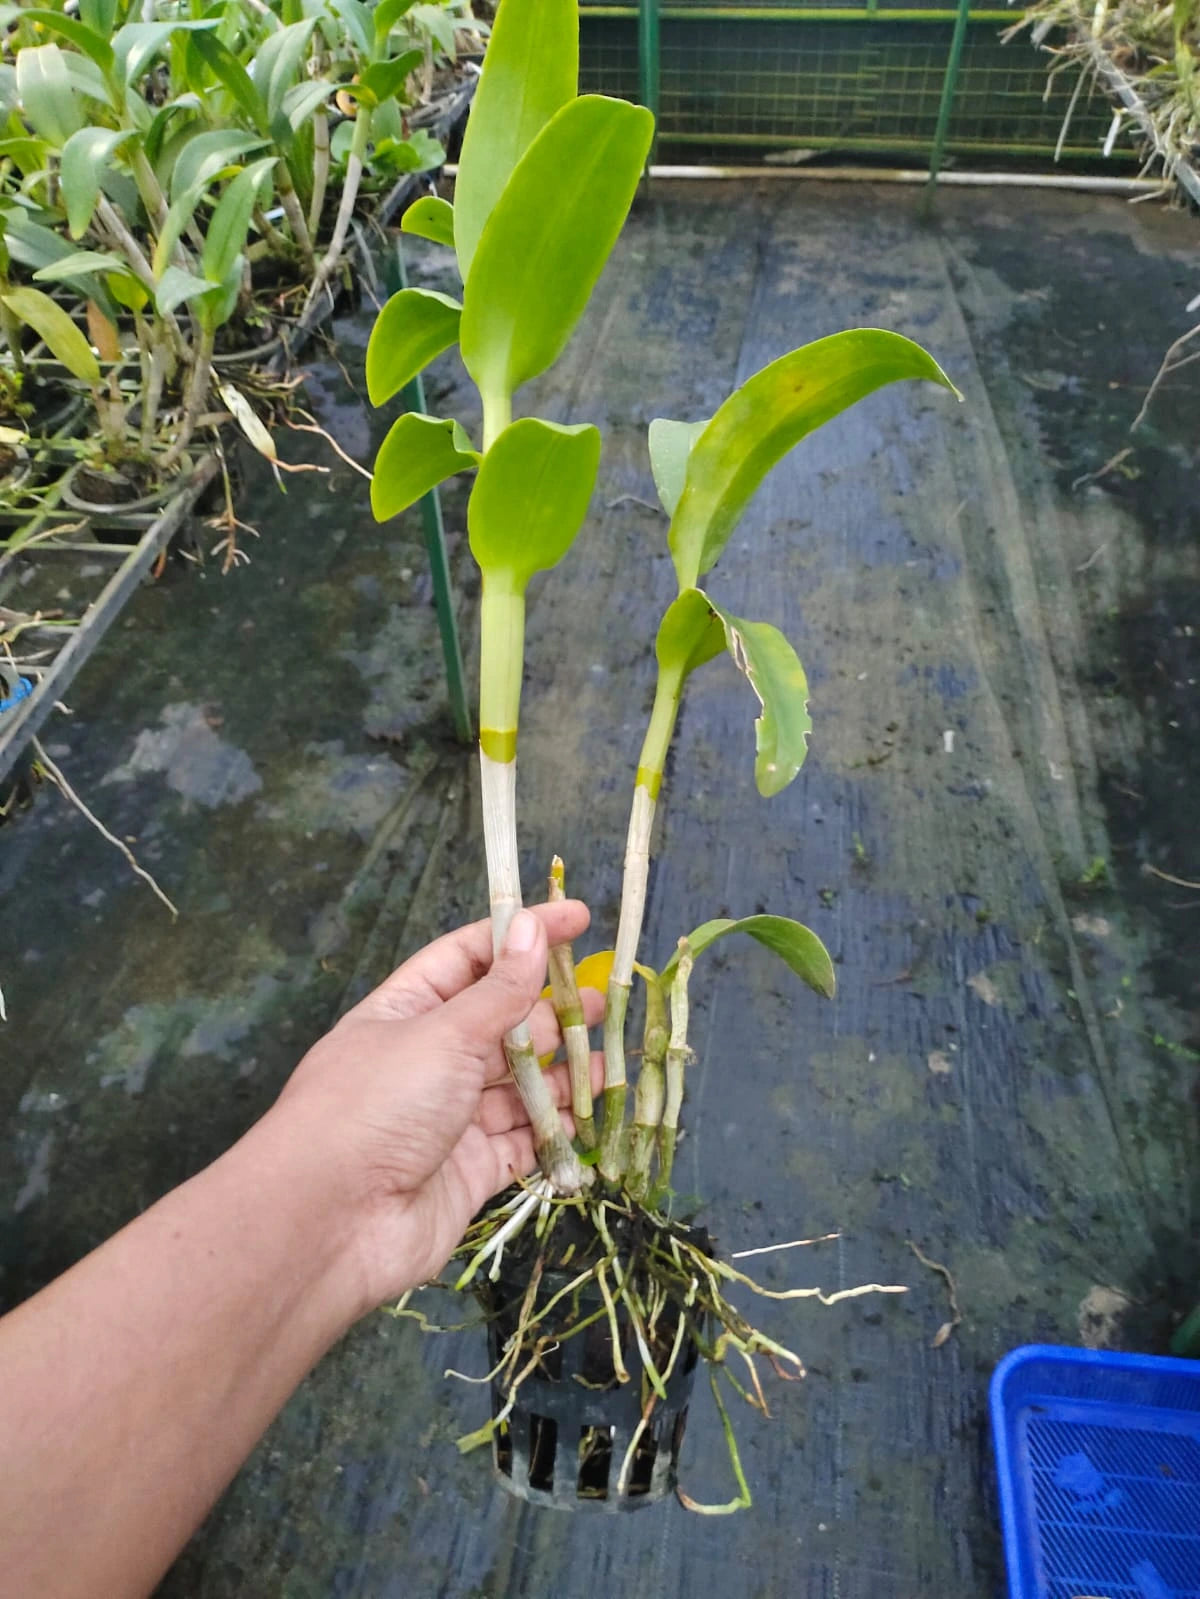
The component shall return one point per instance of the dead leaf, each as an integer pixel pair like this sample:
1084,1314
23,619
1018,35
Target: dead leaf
942,1334
940,1063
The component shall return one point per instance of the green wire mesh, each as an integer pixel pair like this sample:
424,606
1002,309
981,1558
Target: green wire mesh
870,85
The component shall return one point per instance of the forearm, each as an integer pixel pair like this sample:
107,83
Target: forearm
135,1385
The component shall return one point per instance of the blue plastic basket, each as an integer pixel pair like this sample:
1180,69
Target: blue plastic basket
1098,1456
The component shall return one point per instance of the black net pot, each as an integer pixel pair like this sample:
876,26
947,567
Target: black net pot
564,1442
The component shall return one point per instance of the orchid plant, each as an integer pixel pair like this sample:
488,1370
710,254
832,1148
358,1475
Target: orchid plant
545,182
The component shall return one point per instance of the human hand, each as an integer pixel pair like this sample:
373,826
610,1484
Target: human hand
409,1103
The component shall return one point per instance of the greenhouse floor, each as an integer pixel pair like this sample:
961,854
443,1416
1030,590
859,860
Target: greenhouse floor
1003,662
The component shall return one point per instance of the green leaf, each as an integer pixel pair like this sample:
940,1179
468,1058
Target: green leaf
81,34
776,676
430,218
530,72
438,24
689,634
225,236
46,93
531,497
548,238
52,324
413,327
792,942
418,453
87,79
302,100
670,445
387,15
86,158
137,43
207,154
230,72
99,15
175,286
385,79
760,422
359,24
277,63
82,263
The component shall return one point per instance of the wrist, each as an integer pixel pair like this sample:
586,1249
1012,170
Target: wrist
311,1210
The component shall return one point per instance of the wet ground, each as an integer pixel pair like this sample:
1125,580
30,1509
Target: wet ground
1003,657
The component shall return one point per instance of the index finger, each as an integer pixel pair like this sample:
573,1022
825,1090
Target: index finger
456,960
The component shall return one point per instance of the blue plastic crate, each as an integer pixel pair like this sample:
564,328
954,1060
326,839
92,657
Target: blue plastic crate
1098,1456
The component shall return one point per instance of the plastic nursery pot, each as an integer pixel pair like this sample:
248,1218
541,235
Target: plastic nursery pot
565,1441
112,491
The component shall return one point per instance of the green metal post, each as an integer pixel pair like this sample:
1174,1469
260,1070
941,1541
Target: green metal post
413,398
949,88
649,60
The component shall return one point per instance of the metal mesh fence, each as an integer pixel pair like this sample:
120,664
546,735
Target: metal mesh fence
869,80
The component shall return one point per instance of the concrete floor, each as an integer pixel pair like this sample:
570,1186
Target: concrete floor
1008,1077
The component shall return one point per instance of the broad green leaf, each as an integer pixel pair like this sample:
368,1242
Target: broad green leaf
530,72
302,100
430,218
418,453
86,77
792,942
417,154
225,236
218,305
689,634
531,497
52,325
10,95
81,34
137,43
340,141
413,327
46,93
177,285
776,676
86,158
760,422
229,71
548,238
359,24
29,242
99,15
387,15
277,62
438,24
80,263
207,154
670,445
385,79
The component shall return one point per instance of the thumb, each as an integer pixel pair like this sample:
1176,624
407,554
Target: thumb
508,992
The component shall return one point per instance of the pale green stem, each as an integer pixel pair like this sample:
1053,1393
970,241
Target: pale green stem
651,1093
677,1058
497,414
196,395
350,184
290,201
569,1010
633,909
501,652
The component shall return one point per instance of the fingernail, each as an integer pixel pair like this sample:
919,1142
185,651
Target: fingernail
522,933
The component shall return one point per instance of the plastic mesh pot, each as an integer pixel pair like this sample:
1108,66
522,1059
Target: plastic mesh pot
565,1441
